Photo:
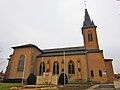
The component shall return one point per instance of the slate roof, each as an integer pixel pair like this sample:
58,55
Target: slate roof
79,50
64,49
87,21
60,51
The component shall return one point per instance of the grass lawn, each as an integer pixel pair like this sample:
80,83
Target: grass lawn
6,86
74,85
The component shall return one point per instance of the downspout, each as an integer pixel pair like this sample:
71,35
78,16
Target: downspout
64,67
31,66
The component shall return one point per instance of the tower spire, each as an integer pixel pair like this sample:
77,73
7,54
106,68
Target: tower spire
89,33
87,21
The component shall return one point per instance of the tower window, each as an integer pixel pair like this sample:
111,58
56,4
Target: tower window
92,73
100,73
90,38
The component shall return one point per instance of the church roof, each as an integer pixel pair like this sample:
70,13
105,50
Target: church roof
27,45
64,49
87,21
60,51
80,50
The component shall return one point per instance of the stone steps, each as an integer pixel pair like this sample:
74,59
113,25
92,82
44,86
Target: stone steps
105,87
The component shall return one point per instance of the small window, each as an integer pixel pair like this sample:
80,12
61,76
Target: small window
90,38
78,61
79,69
92,73
100,73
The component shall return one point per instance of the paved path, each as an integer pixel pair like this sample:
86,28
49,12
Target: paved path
92,87
116,85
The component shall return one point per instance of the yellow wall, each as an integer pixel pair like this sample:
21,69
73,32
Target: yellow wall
13,65
96,63
78,75
91,61
109,71
90,44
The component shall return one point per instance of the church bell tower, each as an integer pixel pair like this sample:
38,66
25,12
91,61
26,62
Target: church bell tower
89,33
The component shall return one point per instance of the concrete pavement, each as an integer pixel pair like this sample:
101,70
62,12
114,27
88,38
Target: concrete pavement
114,86
117,85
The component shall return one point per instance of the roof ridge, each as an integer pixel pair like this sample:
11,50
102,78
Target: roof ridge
65,48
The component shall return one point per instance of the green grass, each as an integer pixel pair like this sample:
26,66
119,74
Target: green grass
6,86
71,84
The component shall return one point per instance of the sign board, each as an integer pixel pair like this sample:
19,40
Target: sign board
55,80
39,80
103,73
47,78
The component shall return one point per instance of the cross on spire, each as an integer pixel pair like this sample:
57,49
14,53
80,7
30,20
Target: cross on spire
85,3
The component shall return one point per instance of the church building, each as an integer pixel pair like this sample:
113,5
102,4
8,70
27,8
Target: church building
79,63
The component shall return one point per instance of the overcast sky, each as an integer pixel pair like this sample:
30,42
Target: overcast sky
57,23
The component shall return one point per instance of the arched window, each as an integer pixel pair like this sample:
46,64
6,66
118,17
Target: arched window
48,66
21,64
90,38
56,67
71,69
92,73
100,73
42,68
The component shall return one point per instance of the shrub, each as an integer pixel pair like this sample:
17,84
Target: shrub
61,79
31,79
